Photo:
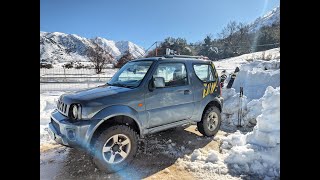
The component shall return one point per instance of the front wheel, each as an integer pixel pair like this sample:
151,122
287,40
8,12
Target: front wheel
115,148
210,122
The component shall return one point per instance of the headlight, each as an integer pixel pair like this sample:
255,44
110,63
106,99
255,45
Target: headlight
75,111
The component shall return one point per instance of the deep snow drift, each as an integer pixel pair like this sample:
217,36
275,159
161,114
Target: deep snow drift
254,151
255,154
256,76
48,102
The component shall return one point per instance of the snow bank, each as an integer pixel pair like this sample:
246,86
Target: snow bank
48,102
267,131
250,110
257,152
230,64
44,135
256,76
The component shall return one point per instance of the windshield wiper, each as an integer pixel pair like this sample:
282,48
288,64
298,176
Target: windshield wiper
120,85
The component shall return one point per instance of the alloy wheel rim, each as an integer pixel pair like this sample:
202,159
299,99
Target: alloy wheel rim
212,121
116,149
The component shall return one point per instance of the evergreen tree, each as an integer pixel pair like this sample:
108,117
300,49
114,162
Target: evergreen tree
127,56
179,45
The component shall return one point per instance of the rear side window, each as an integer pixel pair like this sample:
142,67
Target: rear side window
204,72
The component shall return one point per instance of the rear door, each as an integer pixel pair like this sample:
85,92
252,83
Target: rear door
174,102
207,78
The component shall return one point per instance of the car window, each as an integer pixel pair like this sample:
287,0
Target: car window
131,74
204,72
174,74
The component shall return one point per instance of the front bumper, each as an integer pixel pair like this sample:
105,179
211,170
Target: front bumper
66,133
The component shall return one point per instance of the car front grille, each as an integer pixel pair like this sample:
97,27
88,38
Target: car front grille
56,126
63,108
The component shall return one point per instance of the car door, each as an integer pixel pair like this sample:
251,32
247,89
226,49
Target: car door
171,103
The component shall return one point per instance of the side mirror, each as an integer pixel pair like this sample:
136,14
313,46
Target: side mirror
158,82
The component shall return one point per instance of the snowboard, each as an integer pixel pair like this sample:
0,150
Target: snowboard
233,77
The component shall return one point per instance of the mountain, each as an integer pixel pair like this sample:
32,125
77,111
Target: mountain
135,50
59,47
268,19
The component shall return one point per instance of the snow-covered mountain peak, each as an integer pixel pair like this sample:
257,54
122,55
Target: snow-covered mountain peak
61,47
268,19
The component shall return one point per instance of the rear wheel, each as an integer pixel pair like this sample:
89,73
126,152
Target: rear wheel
115,148
210,122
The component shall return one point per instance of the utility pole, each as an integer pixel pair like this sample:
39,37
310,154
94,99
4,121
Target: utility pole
156,48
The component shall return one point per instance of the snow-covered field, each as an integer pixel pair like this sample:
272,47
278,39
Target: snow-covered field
77,78
232,63
251,151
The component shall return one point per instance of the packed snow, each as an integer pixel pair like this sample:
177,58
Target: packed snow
256,153
256,76
48,102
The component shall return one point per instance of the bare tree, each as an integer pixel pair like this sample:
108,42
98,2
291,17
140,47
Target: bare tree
242,39
235,37
98,56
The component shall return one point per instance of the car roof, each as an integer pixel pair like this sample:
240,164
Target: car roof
160,58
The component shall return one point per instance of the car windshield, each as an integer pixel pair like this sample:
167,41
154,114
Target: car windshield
131,74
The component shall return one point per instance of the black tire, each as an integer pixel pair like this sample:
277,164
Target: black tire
203,125
98,157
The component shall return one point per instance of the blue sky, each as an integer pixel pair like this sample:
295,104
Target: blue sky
146,21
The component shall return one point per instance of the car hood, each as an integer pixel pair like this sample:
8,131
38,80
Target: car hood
93,93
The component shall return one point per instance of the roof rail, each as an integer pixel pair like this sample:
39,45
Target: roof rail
186,56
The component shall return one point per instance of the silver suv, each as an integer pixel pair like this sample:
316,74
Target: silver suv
145,96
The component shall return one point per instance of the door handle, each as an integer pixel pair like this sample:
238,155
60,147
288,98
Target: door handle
184,91
187,92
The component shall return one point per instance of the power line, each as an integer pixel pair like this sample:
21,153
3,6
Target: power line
240,46
267,44
147,49
270,44
151,46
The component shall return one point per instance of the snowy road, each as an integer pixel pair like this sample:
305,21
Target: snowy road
160,160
